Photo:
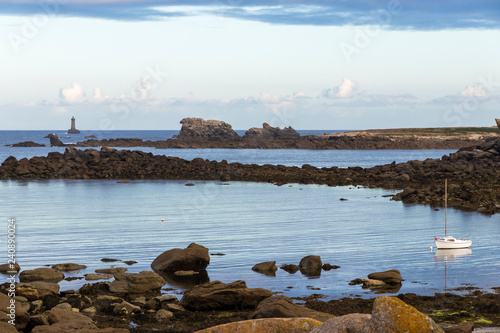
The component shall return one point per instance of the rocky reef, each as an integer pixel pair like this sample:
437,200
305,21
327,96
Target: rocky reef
197,128
473,173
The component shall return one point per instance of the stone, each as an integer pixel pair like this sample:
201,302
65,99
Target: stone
41,274
76,327
498,122
56,315
139,301
390,314
173,307
36,306
198,128
392,276
311,265
457,328
55,141
268,325
193,258
8,268
7,328
267,132
290,268
329,267
95,277
6,314
46,288
113,270
90,311
351,323
217,295
370,283
268,268
68,267
39,320
284,307
163,315
166,298
126,308
186,273
136,283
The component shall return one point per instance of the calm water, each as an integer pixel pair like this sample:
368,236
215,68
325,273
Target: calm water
84,221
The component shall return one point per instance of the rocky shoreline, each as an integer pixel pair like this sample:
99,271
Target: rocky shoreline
200,133
473,173
136,302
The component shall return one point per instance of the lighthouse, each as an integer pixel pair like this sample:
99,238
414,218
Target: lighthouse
73,129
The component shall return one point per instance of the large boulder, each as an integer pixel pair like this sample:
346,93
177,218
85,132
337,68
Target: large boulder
352,323
41,274
136,283
15,311
217,295
193,258
267,132
389,314
268,268
268,325
392,276
7,328
55,141
283,307
311,265
197,128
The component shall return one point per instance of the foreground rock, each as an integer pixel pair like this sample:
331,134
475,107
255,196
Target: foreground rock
217,295
136,283
284,307
389,314
9,312
272,325
193,258
41,274
472,173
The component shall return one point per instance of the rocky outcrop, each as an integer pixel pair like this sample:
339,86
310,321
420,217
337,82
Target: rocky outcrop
9,312
217,295
271,325
197,128
69,266
472,173
27,144
193,258
267,132
284,307
311,265
268,268
392,276
41,274
389,314
55,141
498,122
136,283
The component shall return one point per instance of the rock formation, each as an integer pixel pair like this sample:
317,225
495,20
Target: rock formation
267,132
54,140
193,258
197,128
498,122
284,307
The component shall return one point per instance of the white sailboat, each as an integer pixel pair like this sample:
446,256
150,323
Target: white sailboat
450,242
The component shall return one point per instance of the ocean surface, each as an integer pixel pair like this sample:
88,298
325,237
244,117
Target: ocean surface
83,221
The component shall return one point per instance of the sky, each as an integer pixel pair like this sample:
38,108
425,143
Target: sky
327,65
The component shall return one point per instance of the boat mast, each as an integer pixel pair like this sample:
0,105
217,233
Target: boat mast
445,204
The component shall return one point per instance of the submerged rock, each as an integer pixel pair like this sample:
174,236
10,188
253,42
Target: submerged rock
136,283
268,268
392,276
311,265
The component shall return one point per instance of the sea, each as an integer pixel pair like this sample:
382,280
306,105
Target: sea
245,223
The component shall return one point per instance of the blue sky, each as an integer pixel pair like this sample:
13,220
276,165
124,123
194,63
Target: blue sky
306,64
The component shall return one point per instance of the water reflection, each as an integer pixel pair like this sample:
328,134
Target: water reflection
450,257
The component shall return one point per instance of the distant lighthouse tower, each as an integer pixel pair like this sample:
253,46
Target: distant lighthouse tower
73,129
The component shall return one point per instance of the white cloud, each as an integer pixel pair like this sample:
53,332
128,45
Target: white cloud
72,95
475,89
268,98
346,89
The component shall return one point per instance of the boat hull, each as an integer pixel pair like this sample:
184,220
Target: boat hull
452,243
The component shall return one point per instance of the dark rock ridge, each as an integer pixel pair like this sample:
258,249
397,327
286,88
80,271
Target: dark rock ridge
268,132
473,173
27,144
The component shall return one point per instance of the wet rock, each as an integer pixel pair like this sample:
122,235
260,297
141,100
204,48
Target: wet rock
186,273
163,315
54,140
284,307
352,323
311,265
135,283
392,276
268,132
113,270
370,283
290,268
329,267
68,267
291,325
8,268
41,274
45,288
222,296
268,268
7,328
458,328
193,258
9,312
95,277
125,308
76,326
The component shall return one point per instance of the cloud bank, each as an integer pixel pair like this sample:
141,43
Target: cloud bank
390,14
